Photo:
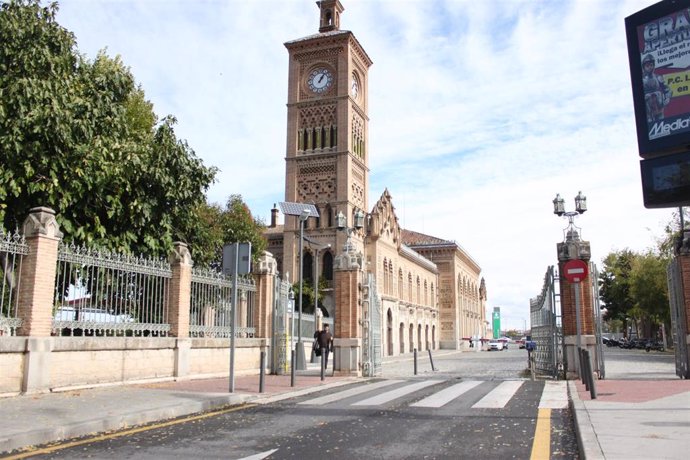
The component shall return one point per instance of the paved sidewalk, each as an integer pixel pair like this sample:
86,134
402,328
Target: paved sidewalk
633,419
43,418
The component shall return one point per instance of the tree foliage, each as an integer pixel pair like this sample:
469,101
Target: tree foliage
633,288
217,226
80,137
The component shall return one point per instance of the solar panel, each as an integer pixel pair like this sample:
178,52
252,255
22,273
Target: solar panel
295,209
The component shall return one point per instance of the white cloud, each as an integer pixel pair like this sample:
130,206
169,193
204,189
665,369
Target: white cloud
481,111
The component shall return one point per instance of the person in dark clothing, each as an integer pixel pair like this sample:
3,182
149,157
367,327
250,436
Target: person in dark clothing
325,340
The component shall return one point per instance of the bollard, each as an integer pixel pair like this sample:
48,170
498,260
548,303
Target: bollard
415,361
581,368
262,371
323,366
432,360
292,368
590,376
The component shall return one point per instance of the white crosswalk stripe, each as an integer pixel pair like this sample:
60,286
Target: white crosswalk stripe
554,396
397,393
446,395
349,393
499,396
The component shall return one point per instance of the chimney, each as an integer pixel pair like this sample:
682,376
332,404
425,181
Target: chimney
274,216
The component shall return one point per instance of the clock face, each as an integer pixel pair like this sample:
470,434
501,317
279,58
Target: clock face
320,80
354,87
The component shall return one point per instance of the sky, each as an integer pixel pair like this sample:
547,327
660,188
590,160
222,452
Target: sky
480,113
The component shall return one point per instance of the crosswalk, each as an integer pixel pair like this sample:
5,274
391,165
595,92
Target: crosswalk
437,393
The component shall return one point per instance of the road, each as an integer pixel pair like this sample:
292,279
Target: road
475,405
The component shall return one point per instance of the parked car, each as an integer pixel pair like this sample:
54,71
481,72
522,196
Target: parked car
496,345
93,315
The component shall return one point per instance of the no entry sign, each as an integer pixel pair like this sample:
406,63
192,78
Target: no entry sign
575,270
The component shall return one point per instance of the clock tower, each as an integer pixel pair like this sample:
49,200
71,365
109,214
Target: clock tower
327,153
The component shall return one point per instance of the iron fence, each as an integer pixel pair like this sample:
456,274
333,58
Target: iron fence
211,305
547,333
101,293
13,248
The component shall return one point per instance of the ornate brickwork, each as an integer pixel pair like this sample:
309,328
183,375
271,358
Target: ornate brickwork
317,129
358,136
316,180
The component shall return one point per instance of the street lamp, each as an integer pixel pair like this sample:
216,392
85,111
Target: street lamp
580,208
341,223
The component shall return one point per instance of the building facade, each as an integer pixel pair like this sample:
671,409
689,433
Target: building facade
327,165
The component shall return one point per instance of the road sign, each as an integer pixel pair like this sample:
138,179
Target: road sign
575,270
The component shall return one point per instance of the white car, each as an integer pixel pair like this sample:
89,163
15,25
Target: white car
495,345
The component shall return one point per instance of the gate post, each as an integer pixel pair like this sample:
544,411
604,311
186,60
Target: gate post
347,278
679,298
571,249
264,272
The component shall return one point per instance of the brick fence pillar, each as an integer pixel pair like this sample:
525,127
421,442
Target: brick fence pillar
574,248
37,277
180,301
265,275
347,280
35,297
679,297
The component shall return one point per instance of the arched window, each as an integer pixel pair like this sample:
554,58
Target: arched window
327,266
307,266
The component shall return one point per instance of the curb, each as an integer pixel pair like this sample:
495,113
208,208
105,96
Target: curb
119,422
587,440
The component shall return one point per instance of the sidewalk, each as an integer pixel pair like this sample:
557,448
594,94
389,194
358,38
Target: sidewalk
43,418
632,419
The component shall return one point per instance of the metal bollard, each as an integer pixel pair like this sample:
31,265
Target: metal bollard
415,361
431,359
262,371
292,368
590,376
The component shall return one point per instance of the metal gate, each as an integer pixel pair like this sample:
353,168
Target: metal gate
546,330
678,320
281,339
372,349
596,306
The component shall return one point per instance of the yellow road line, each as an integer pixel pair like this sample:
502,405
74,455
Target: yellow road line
541,447
46,450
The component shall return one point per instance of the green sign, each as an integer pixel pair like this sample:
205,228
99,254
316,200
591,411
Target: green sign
497,322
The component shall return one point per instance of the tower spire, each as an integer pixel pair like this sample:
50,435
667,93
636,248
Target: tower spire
330,15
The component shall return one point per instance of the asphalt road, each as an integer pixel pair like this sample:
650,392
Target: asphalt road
380,419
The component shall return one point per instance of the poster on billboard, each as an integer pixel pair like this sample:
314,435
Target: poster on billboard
659,54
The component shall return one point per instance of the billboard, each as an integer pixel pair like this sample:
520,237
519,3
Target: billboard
659,55
666,180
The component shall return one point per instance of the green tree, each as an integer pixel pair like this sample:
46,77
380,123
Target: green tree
614,284
79,136
648,288
217,226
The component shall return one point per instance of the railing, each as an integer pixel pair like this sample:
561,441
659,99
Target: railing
100,293
12,250
211,305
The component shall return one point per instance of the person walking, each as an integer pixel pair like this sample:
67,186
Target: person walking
325,339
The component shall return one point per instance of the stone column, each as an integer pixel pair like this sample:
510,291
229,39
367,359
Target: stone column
347,280
574,248
180,293
35,297
265,274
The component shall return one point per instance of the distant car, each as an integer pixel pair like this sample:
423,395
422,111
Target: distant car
496,345
522,342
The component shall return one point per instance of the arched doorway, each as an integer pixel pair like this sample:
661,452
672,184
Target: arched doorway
411,337
426,337
389,332
402,338
433,337
420,344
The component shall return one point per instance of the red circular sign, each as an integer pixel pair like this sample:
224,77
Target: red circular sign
575,270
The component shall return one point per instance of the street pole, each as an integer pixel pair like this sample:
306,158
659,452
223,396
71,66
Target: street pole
579,326
301,359
232,318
